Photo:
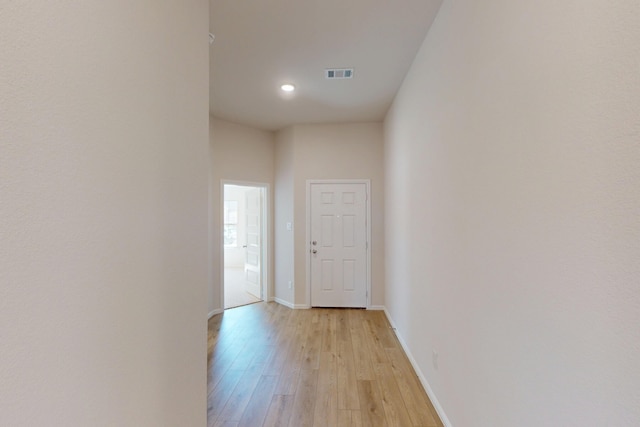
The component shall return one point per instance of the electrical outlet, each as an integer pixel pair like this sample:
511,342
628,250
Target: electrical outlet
435,360
290,284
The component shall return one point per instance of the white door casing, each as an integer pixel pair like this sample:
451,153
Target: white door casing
338,243
253,254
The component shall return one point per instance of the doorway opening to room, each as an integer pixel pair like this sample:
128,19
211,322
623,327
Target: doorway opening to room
244,236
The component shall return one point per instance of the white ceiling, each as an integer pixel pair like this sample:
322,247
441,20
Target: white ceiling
260,44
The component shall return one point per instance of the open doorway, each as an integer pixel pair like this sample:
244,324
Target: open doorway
244,239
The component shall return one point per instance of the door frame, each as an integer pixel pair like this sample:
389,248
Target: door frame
264,236
367,183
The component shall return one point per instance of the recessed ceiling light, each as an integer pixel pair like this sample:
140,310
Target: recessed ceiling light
287,87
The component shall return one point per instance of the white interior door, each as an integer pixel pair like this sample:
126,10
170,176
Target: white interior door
338,247
253,257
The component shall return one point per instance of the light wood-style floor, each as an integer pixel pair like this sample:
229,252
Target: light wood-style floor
272,366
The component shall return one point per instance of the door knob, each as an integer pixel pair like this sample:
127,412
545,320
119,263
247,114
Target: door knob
315,251
314,243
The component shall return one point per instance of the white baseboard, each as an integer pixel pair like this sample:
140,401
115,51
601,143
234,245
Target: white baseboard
377,308
214,312
421,377
283,302
290,305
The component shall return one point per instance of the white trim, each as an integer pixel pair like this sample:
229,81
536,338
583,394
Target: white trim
291,305
283,302
421,377
219,229
367,183
377,308
214,312
265,230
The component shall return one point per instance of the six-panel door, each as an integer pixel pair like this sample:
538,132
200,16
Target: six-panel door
338,245
253,261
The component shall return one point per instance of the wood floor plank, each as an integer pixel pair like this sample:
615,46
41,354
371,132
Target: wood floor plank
300,320
279,412
256,410
305,399
219,396
372,338
224,358
364,369
383,330
248,354
344,418
372,409
278,357
411,390
288,380
356,419
326,406
349,418
394,408
343,332
241,394
311,354
329,328
347,381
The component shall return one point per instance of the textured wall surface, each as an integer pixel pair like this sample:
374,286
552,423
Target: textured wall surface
513,212
103,213
241,154
284,252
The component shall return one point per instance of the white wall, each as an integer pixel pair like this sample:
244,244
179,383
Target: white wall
284,263
513,212
242,154
103,213
329,151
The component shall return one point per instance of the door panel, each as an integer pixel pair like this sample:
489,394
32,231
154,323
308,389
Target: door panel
339,230
252,265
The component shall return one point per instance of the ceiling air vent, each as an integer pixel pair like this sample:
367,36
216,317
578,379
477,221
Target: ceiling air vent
338,73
